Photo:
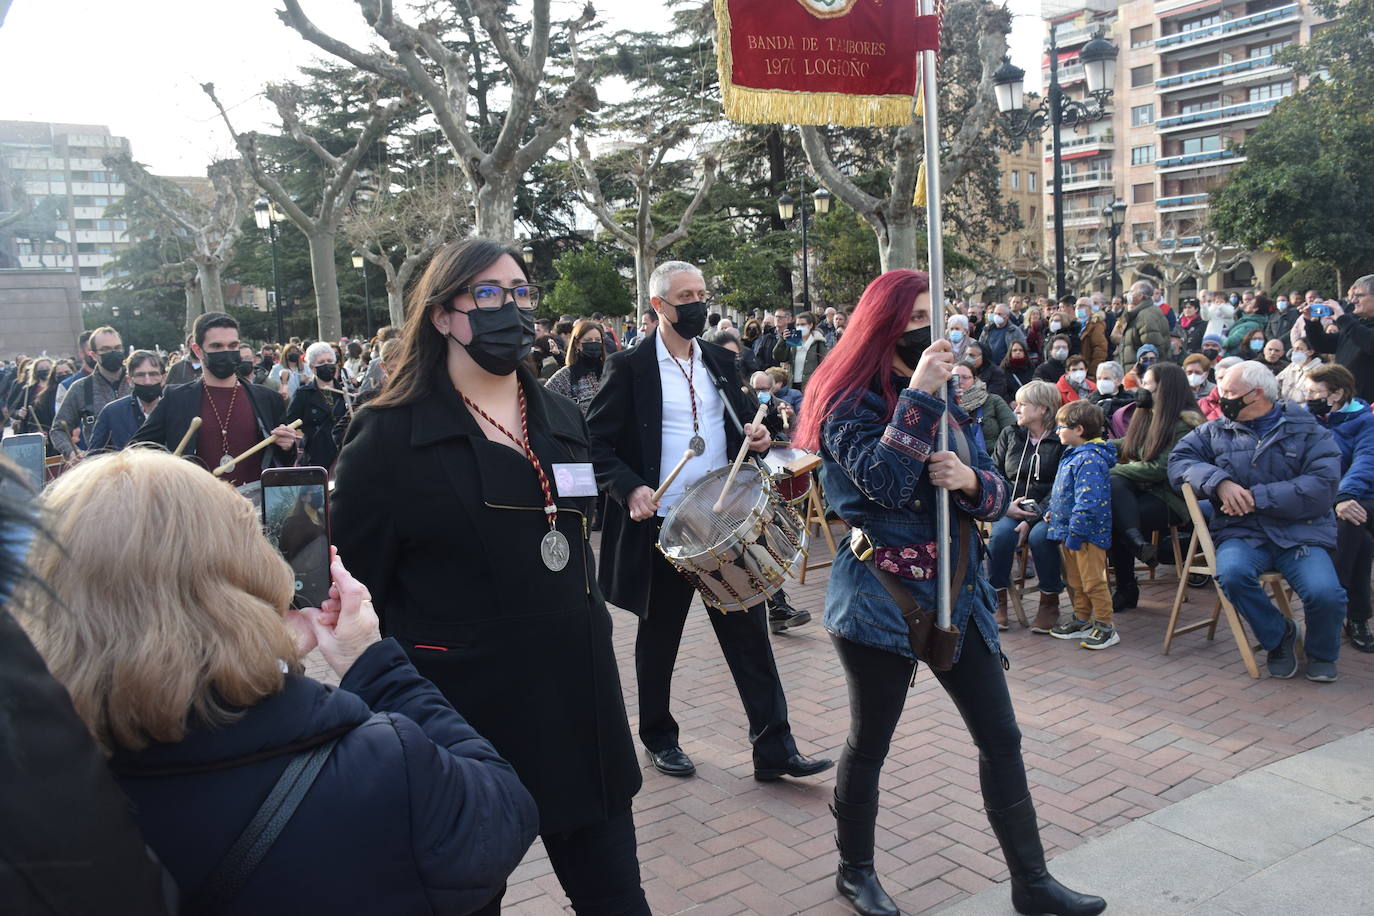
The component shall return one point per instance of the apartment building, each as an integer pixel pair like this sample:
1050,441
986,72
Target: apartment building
1193,80
59,167
1019,253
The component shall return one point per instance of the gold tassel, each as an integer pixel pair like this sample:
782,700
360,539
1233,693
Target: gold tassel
920,197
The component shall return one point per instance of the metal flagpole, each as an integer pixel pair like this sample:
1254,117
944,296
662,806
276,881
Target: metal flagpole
936,259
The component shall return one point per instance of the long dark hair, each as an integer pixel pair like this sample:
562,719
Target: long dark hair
864,352
423,348
1152,428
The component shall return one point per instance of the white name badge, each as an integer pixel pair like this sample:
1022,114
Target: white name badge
574,479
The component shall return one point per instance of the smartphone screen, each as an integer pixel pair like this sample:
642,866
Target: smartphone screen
29,453
295,514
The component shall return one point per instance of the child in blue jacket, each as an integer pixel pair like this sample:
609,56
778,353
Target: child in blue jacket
1081,517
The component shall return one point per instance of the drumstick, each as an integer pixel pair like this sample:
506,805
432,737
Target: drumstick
228,468
739,459
186,439
785,424
672,475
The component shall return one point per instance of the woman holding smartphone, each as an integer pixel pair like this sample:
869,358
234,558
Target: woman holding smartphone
873,411
463,491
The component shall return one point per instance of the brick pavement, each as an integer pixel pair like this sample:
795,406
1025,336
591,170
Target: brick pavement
1109,737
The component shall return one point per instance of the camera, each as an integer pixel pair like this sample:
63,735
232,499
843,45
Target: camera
1029,505
1319,310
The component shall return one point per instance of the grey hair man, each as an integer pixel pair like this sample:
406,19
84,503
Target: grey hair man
1142,323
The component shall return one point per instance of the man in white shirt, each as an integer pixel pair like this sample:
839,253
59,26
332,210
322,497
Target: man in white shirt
671,392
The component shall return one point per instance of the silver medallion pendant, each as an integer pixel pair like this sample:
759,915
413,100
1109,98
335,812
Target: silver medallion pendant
553,550
226,460
697,445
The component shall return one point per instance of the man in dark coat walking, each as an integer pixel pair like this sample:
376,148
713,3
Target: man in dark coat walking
654,400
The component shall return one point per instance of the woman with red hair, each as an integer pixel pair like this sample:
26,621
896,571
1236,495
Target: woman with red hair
873,410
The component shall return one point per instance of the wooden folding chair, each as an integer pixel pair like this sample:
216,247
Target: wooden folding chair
813,517
1016,586
1151,572
1201,543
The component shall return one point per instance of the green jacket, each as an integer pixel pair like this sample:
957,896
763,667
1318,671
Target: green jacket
1153,476
994,416
1242,327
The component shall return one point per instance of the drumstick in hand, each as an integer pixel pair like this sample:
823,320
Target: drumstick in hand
186,439
672,475
229,468
739,459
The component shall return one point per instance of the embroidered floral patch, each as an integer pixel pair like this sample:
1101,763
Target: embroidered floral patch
914,561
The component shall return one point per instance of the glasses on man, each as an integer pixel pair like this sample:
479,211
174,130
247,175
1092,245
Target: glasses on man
101,351
491,296
147,375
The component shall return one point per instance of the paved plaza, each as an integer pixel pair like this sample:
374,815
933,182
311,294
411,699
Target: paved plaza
1112,739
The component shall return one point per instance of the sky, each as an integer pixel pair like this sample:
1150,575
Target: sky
137,65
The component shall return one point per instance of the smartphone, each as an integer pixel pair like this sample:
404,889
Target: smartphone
295,516
29,452
1320,311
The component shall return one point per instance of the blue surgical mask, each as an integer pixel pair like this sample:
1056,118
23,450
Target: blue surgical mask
955,336
1283,305
1082,314
1256,345
765,397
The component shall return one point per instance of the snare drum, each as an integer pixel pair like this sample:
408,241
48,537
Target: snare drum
740,555
791,470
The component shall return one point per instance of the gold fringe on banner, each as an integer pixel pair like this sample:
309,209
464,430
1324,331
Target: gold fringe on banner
919,198
747,105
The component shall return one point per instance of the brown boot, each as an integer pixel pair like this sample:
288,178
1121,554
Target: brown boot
1000,615
1047,614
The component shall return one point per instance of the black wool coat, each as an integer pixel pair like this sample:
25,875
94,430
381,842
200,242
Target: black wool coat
626,422
444,526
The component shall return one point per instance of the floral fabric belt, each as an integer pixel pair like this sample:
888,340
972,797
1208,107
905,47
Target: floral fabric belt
914,561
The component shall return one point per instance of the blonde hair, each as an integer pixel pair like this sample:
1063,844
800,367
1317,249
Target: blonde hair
166,599
1042,394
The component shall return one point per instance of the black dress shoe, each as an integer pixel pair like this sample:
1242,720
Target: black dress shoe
673,762
783,616
797,766
1360,637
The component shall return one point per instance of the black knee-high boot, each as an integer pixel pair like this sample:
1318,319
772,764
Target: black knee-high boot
1033,889
856,880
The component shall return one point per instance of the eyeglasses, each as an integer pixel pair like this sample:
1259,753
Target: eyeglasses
490,296
103,350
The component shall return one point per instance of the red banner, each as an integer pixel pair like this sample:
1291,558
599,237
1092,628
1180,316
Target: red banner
847,62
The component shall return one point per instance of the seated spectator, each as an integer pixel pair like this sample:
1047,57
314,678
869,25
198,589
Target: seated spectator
1019,366
1199,370
1250,346
957,332
1056,361
1074,384
1146,356
1330,398
1211,348
993,376
1211,404
1036,333
1027,455
1143,502
990,412
1272,474
1111,395
1219,315
1282,319
1191,328
1273,356
173,633
1000,332
1293,378
1253,317
781,389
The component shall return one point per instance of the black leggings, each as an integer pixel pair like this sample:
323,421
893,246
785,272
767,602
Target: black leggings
1354,555
878,682
1145,512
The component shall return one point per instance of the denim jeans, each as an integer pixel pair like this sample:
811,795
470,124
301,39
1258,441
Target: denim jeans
1311,573
1002,551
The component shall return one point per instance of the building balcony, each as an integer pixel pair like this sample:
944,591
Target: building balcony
1181,202
1068,37
1197,160
1082,144
1212,115
50,262
1077,218
1211,74
1191,241
1083,180
1220,30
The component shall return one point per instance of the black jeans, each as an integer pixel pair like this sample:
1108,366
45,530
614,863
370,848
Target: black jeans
744,641
1145,512
598,868
878,682
1354,555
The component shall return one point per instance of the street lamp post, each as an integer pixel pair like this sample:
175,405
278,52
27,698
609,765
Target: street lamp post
1115,215
1099,60
787,207
360,265
267,216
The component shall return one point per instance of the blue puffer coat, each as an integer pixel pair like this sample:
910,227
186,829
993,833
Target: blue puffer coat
1293,473
1354,432
1081,502
875,478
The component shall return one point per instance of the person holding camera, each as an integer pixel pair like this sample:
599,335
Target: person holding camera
1351,335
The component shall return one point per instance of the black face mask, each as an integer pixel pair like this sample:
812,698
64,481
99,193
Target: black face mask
1231,407
325,373
1144,398
592,350
222,363
267,362
245,368
691,320
912,344
42,374
500,337
147,393
1318,407
89,360
113,361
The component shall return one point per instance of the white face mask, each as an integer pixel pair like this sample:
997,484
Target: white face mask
1106,385
1059,354
999,320
1055,325
1078,375
1299,357
1195,379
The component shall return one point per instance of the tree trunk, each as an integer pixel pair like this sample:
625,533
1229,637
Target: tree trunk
195,303
496,209
324,273
395,303
211,288
777,184
897,249
641,282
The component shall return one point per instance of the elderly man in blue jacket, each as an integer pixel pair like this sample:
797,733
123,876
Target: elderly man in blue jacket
1272,472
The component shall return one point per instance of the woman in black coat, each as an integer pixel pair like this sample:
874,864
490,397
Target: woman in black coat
322,407
479,561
